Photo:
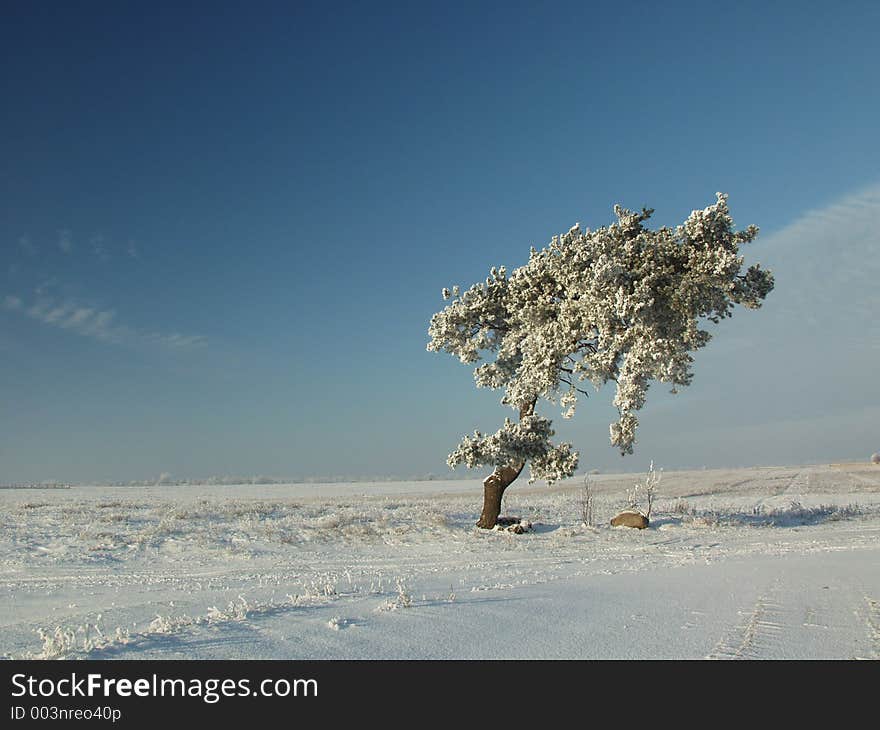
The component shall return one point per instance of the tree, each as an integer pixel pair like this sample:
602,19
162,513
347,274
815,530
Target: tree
620,303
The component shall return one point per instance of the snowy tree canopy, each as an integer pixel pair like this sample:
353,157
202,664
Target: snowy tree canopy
620,303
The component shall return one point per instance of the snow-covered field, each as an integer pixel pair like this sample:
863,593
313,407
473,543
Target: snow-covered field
779,562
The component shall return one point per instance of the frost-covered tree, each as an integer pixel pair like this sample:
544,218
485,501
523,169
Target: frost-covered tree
620,303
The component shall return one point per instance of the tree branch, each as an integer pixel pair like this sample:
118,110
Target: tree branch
574,387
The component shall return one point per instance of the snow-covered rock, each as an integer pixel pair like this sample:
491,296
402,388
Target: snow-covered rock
630,518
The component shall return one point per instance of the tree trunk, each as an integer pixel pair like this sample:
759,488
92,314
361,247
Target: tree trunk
499,480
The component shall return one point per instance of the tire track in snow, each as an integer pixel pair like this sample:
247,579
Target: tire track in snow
799,484
816,617
868,479
758,634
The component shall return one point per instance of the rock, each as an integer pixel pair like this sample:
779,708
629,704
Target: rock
630,518
513,524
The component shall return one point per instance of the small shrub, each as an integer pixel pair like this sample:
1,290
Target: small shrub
64,642
404,599
681,507
648,488
586,502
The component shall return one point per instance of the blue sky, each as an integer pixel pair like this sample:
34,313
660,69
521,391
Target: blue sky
224,229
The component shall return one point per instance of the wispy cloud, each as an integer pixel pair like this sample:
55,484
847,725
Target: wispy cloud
99,324
849,220
176,340
65,242
133,250
827,262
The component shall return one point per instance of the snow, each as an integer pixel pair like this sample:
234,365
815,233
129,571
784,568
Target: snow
760,563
